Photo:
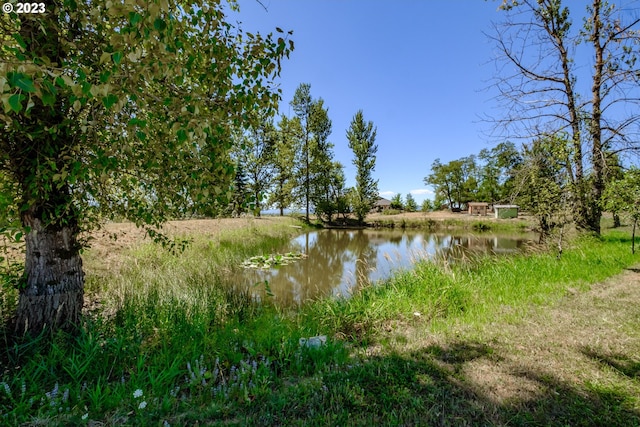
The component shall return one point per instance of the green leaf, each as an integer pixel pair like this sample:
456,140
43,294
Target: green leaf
15,102
21,81
86,88
134,18
141,135
20,40
104,76
109,100
159,24
117,57
182,135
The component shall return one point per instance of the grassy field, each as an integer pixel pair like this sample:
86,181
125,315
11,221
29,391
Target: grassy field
445,220
526,340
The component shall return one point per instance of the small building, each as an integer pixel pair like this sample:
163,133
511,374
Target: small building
506,211
478,208
381,205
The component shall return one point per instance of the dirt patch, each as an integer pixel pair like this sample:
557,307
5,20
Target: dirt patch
570,341
586,346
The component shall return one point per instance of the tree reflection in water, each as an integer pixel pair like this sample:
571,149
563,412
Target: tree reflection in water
340,262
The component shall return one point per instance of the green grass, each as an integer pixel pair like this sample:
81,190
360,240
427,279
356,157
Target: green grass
475,291
169,334
451,223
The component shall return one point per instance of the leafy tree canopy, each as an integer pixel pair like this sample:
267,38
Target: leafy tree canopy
105,102
118,108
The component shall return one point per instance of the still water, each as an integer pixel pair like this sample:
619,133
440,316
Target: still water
339,262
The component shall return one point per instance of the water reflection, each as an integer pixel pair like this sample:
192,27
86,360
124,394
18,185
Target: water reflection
341,261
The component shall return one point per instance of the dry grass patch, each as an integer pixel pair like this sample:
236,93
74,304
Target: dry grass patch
581,352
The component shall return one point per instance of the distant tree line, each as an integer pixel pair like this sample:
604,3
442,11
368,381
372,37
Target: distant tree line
291,164
486,177
537,177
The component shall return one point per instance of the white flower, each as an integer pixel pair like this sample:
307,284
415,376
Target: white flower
85,416
417,314
138,393
142,404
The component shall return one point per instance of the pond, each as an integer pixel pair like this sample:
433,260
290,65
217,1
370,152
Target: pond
338,262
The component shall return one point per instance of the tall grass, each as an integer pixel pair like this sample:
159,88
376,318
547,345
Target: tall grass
477,291
170,344
162,324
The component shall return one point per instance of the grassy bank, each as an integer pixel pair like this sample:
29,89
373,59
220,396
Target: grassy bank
433,224
166,345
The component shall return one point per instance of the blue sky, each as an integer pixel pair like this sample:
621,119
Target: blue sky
418,69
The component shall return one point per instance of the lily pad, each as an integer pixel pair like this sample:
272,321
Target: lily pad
272,260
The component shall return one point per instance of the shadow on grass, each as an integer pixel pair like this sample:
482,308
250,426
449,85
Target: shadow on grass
622,363
434,386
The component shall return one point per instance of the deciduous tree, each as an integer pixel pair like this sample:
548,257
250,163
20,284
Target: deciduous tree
396,202
623,195
315,158
287,144
256,152
582,82
455,182
542,182
118,109
362,137
497,172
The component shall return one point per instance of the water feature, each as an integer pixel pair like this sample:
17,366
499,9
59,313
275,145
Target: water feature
338,262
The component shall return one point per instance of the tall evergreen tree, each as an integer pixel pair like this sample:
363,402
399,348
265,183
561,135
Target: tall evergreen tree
362,137
410,204
240,197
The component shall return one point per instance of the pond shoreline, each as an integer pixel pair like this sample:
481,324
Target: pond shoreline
441,220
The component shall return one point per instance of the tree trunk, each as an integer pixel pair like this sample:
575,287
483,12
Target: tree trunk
595,128
616,220
633,236
258,208
54,290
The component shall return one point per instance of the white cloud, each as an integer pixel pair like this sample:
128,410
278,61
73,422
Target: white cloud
387,194
422,191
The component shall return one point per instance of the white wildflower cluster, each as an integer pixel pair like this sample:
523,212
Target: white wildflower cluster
138,394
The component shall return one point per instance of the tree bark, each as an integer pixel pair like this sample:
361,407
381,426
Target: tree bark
54,290
633,236
597,156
